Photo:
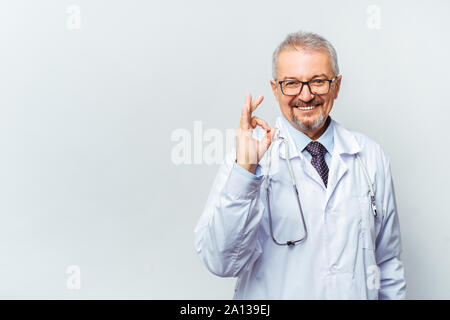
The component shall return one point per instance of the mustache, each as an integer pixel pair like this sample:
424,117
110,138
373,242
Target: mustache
302,104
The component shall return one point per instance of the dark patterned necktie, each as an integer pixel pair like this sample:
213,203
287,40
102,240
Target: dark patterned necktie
318,151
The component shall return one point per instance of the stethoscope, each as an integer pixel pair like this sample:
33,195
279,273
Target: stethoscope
294,185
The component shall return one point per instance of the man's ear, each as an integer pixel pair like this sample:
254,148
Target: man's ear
273,84
338,86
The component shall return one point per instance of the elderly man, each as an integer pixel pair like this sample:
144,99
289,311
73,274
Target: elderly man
306,211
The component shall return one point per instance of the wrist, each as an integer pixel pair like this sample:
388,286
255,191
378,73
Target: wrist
249,167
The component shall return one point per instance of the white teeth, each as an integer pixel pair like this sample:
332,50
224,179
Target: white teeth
307,108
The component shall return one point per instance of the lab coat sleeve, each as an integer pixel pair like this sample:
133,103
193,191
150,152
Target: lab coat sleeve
388,245
226,234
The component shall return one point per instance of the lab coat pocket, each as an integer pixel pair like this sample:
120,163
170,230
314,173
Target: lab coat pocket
344,227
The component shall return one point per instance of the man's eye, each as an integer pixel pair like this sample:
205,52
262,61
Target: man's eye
291,83
318,81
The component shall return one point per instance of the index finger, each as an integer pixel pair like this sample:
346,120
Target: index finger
246,112
256,103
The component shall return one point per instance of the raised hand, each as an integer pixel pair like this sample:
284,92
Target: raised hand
249,150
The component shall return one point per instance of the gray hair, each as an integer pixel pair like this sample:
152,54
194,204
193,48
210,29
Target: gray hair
307,41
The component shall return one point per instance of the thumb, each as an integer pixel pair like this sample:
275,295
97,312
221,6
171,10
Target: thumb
272,133
268,138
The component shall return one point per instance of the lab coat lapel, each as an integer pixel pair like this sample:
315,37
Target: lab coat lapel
344,144
309,169
337,170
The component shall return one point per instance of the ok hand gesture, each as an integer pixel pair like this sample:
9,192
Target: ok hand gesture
249,150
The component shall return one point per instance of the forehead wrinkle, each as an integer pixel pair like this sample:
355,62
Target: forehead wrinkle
312,77
312,69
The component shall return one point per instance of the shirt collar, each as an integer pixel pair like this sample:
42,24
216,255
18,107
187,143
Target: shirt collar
301,140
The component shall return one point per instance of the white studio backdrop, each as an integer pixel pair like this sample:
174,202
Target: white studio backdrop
95,94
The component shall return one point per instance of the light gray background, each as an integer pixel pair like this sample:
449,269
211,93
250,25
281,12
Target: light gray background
86,118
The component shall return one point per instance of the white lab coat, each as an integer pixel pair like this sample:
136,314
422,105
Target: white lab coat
348,254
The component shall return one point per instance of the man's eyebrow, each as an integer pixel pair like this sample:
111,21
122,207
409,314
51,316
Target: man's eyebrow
315,76
320,75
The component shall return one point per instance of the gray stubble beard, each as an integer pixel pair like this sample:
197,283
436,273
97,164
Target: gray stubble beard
308,127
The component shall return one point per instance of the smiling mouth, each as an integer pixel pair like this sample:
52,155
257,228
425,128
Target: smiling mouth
306,108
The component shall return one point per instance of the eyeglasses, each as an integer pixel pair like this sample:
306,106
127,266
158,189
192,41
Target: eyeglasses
316,86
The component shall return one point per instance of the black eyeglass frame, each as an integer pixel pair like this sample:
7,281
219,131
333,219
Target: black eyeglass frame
307,83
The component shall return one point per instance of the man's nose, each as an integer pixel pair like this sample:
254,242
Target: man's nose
305,94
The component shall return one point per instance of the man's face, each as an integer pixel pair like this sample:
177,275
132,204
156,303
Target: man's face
305,66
